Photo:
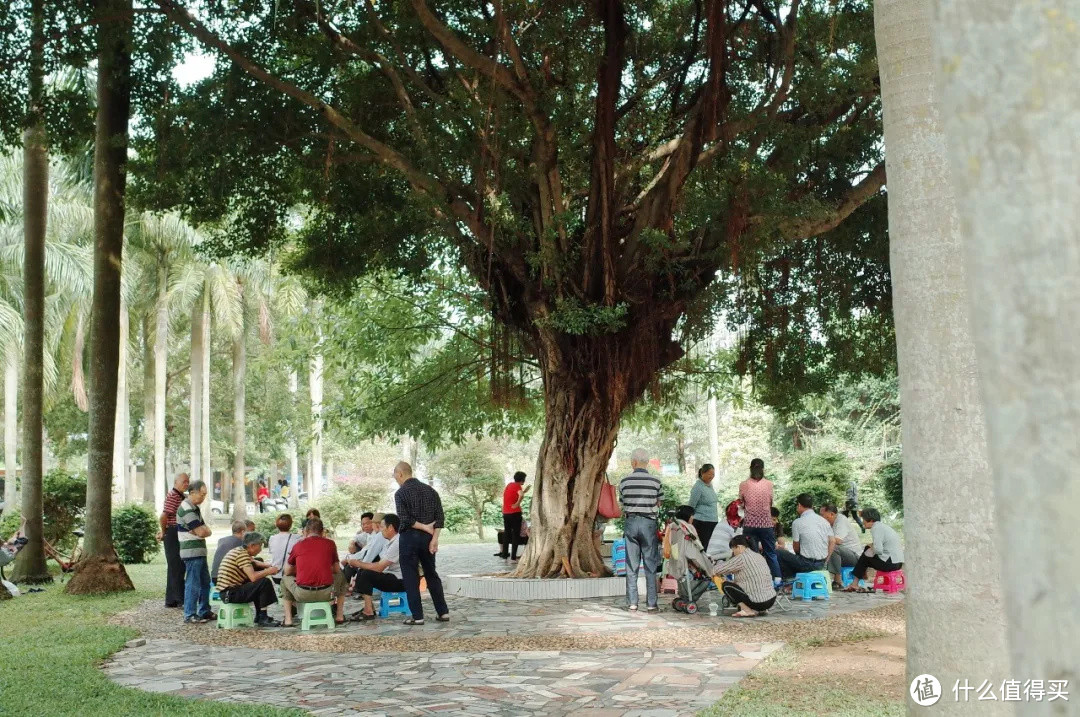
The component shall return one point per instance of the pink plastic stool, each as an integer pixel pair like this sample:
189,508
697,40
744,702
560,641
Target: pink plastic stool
669,585
890,582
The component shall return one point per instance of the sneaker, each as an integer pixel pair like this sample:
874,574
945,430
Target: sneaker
267,622
502,555
652,608
194,620
632,608
209,617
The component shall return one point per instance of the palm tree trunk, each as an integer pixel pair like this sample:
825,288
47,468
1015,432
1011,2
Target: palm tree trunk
30,565
148,409
204,415
294,463
950,635
161,342
11,428
1011,108
120,435
315,386
100,570
239,366
198,348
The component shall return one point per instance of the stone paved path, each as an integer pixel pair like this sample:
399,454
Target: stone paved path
613,682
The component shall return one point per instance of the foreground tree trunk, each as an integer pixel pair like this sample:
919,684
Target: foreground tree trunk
239,373
950,635
588,382
161,343
100,570
11,429
294,462
121,434
1011,109
30,565
198,348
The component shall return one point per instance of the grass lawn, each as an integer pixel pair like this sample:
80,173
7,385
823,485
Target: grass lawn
51,645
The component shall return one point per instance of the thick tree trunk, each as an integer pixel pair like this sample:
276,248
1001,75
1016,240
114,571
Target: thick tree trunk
198,348
239,365
161,344
294,463
315,385
680,452
100,571
204,414
1011,108
11,429
121,435
148,409
30,565
950,635
480,523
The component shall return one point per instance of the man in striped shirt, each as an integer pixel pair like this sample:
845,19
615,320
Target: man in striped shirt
174,583
193,532
639,495
240,582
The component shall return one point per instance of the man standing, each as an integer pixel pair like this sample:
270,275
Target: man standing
756,494
640,494
174,582
313,573
192,533
384,575
846,545
513,494
420,511
239,581
811,539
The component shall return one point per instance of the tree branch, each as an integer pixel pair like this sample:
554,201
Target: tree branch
870,185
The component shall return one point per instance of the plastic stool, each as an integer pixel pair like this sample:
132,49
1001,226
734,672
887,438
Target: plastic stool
890,582
394,604
826,577
618,557
809,586
847,576
310,618
215,596
238,614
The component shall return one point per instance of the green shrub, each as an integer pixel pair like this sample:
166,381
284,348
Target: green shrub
890,478
822,490
134,529
10,523
336,508
63,503
457,517
829,466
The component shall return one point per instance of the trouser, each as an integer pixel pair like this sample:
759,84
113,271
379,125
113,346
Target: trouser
842,557
872,561
415,553
791,563
261,592
296,593
642,546
196,588
511,533
705,530
767,538
349,572
737,595
369,580
174,581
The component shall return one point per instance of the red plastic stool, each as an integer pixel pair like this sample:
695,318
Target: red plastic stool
890,582
669,585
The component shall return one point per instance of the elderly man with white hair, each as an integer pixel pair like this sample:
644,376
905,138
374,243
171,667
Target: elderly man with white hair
640,494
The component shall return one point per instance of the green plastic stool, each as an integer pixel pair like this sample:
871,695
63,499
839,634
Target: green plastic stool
310,617
239,614
826,577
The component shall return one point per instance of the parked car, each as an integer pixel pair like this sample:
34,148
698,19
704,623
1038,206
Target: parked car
217,507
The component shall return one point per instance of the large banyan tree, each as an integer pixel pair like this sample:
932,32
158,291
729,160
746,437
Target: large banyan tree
609,173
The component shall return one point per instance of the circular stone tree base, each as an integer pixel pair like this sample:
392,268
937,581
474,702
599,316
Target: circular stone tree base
498,588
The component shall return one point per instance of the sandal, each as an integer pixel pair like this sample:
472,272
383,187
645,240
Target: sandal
442,618
412,621
339,622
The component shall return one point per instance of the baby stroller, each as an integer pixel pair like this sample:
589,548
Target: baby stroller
691,568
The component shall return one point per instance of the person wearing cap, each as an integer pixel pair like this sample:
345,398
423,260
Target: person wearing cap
239,581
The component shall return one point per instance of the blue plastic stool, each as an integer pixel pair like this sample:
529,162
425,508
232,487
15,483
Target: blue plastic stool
809,586
215,596
394,604
618,557
847,576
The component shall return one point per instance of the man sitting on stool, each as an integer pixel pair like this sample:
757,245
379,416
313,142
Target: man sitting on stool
239,582
384,575
313,573
811,537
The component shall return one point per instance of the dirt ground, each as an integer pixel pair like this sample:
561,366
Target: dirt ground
874,666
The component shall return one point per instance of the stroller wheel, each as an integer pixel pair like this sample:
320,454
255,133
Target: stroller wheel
679,605
691,608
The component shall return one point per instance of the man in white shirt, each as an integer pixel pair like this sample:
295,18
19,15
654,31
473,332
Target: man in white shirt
846,545
367,529
384,575
811,538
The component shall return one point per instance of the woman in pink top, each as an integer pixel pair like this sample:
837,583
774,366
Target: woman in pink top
756,494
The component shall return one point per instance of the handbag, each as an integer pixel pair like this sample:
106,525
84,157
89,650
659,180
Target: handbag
608,506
